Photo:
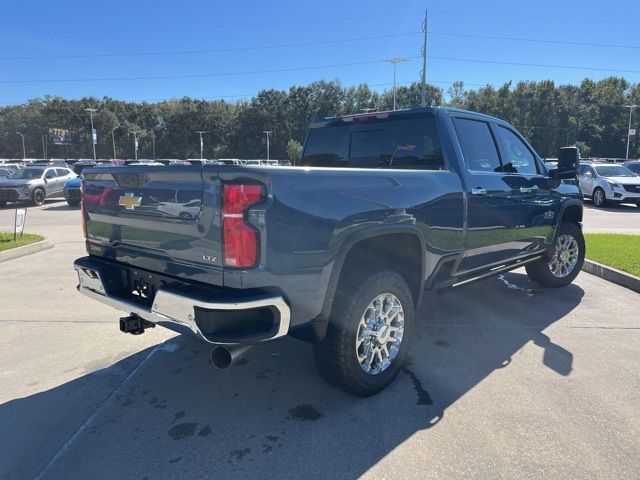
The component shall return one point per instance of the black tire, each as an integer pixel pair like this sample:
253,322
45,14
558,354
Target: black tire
3,204
38,197
73,203
541,272
336,356
638,203
599,197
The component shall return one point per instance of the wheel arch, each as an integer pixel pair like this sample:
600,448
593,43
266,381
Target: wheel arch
395,246
571,212
348,253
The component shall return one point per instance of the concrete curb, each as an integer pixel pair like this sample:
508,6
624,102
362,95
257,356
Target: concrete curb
613,275
25,250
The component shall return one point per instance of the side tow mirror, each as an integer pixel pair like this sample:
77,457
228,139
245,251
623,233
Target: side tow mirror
568,163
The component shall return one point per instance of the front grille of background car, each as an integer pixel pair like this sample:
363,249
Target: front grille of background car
632,188
8,194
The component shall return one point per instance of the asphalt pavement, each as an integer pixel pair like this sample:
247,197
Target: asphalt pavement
506,380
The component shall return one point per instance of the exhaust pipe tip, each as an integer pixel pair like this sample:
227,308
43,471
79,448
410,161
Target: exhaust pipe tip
221,358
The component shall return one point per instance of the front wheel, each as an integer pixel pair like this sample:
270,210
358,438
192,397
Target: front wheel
3,204
565,262
38,197
599,198
368,335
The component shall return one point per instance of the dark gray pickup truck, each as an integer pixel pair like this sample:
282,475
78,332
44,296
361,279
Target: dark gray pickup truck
337,250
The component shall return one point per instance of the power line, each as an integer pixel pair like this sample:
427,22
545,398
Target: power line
198,75
535,40
218,50
217,27
522,64
317,43
311,67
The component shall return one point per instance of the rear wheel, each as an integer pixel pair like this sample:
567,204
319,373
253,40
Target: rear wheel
599,197
638,203
563,266
368,335
38,197
3,204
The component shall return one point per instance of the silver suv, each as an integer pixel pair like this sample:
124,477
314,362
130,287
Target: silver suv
34,184
608,182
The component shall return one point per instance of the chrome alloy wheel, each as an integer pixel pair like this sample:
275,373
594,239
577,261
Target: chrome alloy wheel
598,198
380,333
565,257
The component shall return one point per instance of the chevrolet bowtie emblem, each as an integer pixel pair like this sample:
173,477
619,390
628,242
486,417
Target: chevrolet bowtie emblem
129,202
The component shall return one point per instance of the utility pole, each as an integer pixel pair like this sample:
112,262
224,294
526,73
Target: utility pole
630,107
24,154
268,134
94,136
153,143
201,142
135,145
423,74
113,140
395,61
44,152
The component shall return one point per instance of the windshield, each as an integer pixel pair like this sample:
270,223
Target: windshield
28,173
634,167
614,171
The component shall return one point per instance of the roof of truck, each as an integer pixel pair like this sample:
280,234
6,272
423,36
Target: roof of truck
326,121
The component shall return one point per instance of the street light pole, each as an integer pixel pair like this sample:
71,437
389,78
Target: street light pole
395,61
135,145
268,134
24,154
423,74
201,142
113,140
94,137
630,107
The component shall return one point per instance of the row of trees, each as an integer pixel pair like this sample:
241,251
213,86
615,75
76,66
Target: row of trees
591,115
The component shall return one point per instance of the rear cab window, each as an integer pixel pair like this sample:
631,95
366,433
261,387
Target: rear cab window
393,143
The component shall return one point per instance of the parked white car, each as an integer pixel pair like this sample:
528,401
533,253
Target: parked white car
609,183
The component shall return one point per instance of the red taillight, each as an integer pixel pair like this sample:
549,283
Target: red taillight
240,239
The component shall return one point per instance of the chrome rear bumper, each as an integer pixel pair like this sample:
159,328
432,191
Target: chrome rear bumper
170,309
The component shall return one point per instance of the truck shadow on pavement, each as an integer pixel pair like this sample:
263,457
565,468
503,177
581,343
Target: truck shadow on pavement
271,415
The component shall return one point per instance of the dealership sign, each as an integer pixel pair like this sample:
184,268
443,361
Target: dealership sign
59,136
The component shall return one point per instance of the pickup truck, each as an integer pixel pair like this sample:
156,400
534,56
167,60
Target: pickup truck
337,250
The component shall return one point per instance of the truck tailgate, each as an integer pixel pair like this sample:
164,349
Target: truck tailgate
165,219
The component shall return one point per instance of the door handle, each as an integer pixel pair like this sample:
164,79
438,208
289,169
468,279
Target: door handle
478,191
526,189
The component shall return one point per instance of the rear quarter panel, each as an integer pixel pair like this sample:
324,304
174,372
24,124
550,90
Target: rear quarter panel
312,212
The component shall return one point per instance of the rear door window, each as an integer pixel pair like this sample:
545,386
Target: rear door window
478,145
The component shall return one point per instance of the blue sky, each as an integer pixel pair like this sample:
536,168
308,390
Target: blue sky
372,30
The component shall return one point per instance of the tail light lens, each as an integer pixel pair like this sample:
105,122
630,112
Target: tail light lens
240,238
